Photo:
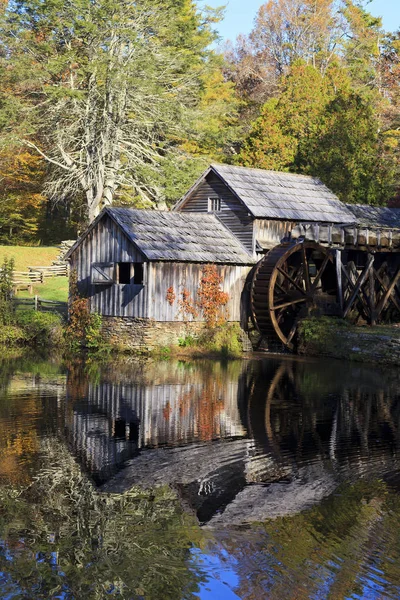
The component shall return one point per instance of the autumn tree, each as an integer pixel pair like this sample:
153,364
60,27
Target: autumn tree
284,32
113,85
320,126
22,205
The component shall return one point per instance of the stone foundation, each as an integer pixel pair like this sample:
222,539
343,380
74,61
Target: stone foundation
143,335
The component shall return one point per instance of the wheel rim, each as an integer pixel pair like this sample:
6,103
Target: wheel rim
291,282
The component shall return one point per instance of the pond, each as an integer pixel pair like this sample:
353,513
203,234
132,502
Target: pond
270,478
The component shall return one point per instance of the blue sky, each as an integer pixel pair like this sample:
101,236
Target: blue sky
239,15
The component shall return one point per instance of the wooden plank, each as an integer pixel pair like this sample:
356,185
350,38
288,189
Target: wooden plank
359,283
339,279
392,297
372,297
388,292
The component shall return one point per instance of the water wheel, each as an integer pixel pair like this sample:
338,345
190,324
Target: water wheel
291,282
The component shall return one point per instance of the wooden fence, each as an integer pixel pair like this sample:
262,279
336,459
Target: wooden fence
42,305
51,271
25,280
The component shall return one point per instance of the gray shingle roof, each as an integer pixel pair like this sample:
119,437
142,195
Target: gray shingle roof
276,195
375,216
174,236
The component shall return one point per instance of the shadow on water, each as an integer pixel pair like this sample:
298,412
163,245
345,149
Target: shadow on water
103,468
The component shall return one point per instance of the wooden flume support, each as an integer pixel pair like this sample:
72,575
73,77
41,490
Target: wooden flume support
370,290
327,269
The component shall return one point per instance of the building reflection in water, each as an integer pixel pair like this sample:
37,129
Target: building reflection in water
293,430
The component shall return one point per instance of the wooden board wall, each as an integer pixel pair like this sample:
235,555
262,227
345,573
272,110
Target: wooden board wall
180,276
269,233
233,213
107,243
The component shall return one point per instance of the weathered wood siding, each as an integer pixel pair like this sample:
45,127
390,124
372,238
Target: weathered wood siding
233,214
269,233
107,243
180,276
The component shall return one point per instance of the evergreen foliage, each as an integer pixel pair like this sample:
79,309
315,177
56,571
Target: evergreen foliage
320,125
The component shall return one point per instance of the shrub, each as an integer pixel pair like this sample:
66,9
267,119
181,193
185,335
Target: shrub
84,328
40,329
187,341
12,335
224,340
6,292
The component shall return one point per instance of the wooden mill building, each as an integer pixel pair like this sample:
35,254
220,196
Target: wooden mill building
276,240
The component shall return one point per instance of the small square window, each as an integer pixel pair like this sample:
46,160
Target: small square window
214,204
130,273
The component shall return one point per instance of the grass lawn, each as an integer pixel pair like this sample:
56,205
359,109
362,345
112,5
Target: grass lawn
53,288
29,256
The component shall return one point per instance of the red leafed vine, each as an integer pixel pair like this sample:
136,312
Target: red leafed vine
187,307
171,296
211,299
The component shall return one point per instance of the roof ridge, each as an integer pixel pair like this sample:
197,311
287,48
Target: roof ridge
313,177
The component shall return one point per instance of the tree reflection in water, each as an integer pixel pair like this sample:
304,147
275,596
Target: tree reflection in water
305,451
62,539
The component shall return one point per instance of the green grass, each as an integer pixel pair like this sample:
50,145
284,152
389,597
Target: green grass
53,288
29,256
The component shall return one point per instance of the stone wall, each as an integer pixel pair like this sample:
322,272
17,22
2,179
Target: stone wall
142,335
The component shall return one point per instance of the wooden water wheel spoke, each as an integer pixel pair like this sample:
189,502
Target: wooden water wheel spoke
292,332
320,272
292,281
289,303
283,278
306,269
281,288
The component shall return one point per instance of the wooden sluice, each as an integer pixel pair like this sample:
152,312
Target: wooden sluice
367,260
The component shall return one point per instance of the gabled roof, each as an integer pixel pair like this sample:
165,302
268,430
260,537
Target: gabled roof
278,195
173,236
375,216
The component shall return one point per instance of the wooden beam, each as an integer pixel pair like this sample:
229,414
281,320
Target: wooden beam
388,292
363,298
359,283
372,297
339,278
392,297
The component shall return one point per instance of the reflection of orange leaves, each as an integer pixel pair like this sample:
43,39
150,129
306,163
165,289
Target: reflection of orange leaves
210,405
167,411
185,402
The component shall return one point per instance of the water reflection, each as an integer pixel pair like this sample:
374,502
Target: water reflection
221,433
306,450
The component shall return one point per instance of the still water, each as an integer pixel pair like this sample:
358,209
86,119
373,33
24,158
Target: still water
270,478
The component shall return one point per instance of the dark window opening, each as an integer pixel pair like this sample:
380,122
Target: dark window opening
119,429
138,273
214,204
124,272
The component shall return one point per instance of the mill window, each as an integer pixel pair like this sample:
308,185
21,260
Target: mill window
124,272
214,204
138,273
130,273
